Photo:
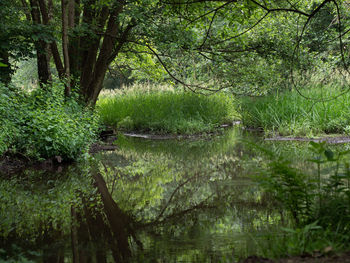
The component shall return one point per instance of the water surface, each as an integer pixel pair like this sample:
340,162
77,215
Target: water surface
191,200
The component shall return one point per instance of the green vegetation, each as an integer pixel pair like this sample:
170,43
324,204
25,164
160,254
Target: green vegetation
289,113
319,204
166,111
43,124
240,48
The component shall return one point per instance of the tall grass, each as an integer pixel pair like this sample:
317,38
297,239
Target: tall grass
165,111
289,113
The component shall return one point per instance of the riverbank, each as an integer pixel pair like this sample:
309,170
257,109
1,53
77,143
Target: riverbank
309,112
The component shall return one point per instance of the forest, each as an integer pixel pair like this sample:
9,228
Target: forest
174,131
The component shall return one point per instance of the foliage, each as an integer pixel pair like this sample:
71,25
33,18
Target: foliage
310,239
15,35
245,46
166,112
43,124
319,203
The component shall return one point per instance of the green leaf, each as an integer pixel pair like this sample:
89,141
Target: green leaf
314,144
2,65
329,154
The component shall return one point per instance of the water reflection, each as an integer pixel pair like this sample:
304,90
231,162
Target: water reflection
147,201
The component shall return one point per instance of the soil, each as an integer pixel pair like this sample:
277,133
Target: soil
99,147
335,258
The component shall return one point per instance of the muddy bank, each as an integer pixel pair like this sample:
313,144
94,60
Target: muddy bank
155,136
331,140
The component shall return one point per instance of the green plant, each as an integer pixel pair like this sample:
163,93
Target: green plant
319,203
166,111
305,240
318,111
292,188
43,124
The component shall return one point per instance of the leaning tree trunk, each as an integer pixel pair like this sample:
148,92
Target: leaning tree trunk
91,83
46,14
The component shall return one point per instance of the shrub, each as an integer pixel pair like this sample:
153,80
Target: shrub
43,124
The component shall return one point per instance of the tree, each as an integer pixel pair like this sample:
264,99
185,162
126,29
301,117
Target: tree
245,42
14,39
221,38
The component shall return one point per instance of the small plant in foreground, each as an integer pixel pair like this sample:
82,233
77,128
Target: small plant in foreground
319,204
310,239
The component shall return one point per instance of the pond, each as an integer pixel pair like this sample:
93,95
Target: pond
188,200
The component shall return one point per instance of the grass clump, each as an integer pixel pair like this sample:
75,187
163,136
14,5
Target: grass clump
42,124
166,111
289,113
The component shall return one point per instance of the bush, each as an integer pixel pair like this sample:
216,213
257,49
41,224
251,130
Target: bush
43,124
166,111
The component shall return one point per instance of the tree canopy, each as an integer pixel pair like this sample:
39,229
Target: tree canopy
201,44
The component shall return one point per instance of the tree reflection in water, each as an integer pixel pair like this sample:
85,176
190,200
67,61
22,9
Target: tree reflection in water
138,205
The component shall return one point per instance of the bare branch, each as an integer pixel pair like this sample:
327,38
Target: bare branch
189,86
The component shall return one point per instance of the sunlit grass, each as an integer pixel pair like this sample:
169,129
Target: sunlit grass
164,110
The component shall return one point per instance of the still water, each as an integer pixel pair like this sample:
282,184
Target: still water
188,200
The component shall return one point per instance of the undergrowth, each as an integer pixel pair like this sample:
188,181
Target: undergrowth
42,124
166,111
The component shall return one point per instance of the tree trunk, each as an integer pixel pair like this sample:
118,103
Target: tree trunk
73,43
89,50
5,72
93,89
46,14
41,48
65,24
